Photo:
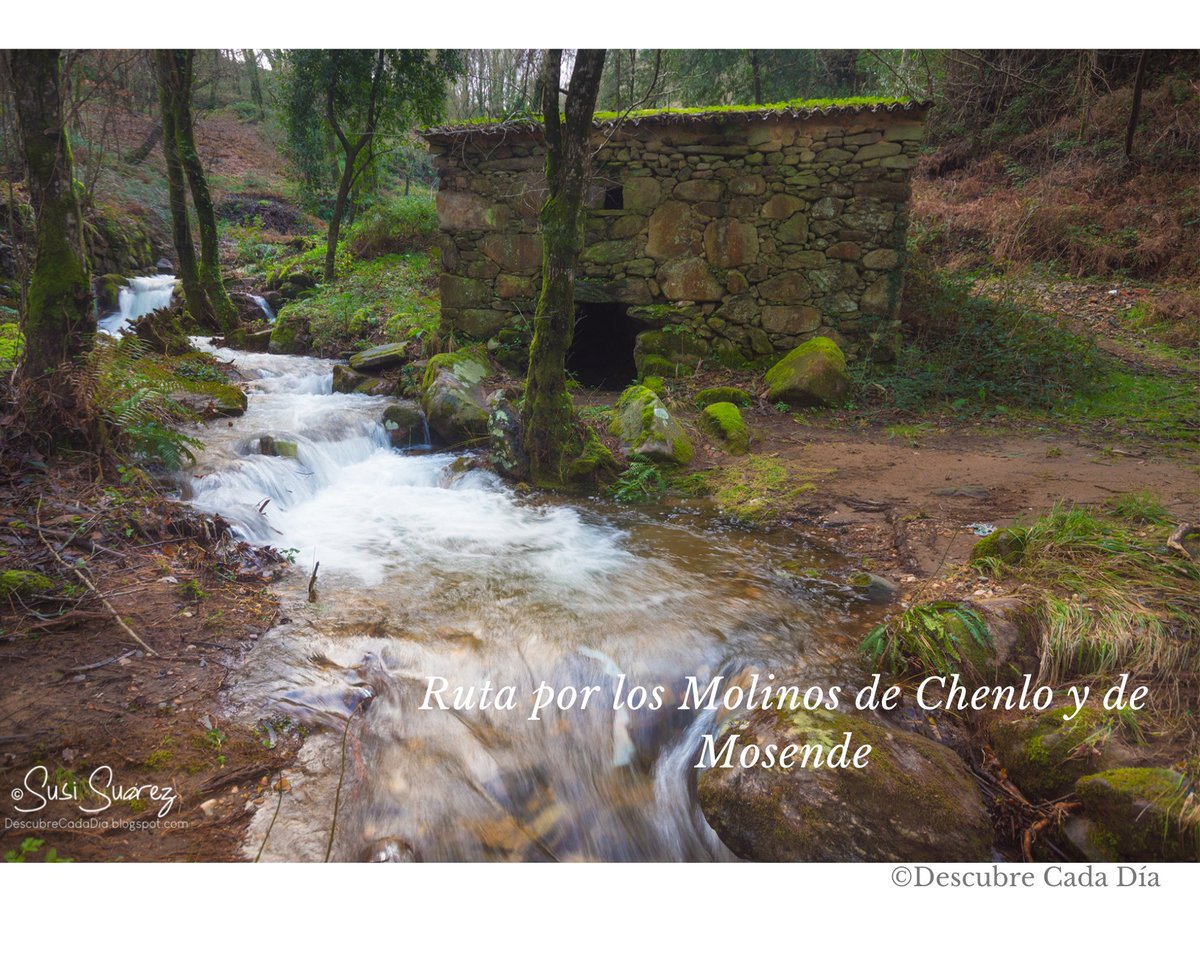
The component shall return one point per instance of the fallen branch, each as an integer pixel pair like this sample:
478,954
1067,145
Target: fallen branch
102,663
91,586
1055,815
1182,532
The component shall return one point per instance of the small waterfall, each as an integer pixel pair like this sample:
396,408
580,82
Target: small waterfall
265,307
141,296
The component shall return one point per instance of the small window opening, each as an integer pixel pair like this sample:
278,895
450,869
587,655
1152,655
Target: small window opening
614,198
601,354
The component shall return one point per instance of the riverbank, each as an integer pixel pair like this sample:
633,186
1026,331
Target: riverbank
94,727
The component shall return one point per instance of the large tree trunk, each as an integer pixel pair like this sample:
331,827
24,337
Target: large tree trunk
551,434
255,87
339,210
206,218
198,304
57,326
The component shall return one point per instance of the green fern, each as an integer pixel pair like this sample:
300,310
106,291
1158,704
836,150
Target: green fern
132,396
640,481
937,638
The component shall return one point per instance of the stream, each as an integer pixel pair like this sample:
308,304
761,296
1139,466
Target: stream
429,567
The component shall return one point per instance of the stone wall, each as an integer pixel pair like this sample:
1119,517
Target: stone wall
752,231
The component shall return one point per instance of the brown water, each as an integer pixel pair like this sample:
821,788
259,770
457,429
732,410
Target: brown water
428,570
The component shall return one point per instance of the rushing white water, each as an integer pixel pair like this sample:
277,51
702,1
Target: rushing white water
141,296
431,568
265,307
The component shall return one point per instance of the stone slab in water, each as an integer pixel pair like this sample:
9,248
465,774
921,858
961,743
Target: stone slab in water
380,358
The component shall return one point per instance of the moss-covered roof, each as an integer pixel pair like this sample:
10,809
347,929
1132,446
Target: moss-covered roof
797,109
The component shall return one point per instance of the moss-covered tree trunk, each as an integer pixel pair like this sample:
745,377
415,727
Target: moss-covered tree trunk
181,229
551,434
56,323
206,218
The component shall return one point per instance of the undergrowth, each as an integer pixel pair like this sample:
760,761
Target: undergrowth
642,480
972,353
131,396
938,638
392,297
1107,592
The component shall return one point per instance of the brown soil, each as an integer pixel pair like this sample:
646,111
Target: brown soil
908,508
905,505
77,693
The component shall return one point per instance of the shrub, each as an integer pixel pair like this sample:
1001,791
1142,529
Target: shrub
402,225
641,480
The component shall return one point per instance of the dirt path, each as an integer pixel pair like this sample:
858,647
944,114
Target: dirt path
908,508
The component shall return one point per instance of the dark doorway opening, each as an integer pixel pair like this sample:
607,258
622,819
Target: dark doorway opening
614,198
601,354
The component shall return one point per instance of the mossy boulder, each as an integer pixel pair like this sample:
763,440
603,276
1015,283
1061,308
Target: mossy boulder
1045,754
117,243
107,289
291,282
291,333
656,384
872,587
270,446
256,341
452,395
405,424
380,358
210,399
1005,545
814,374
163,332
645,428
723,421
914,800
23,583
734,395
507,454
595,460
346,380
1142,814
654,367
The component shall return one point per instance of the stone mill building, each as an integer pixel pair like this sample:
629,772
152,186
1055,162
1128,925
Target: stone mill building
735,233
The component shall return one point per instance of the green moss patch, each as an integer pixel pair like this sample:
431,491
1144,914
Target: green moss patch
757,490
23,583
1142,813
734,395
724,422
